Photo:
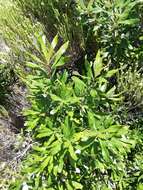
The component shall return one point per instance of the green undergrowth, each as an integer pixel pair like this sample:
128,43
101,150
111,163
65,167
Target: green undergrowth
81,63
78,142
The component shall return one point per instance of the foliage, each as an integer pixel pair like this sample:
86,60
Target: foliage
131,83
75,117
17,31
60,17
77,144
5,82
16,38
116,26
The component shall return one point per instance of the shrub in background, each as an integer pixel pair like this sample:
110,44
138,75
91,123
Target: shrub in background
17,31
16,38
115,25
131,83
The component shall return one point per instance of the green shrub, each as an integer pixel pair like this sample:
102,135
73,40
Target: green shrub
77,142
75,121
131,83
7,77
116,27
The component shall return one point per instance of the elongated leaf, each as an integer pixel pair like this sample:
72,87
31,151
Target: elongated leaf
110,73
42,41
105,152
82,4
80,86
56,147
36,67
98,65
91,120
61,62
89,6
72,152
44,164
33,65
59,53
35,58
111,92
129,21
56,98
44,133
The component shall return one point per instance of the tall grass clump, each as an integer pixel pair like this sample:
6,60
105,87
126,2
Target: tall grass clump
17,31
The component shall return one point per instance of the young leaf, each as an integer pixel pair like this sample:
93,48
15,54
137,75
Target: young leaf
54,42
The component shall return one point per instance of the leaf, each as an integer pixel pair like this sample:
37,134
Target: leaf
39,149
44,164
54,42
56,147
50,141
121,147
111,92
141,38
68,130
51,165
64,76
56,98
88,69
37,67
44,133
91,120
98,65
110,73
61,62
35,58
81,3
117,128
93,93
59,53
140,187
90,4
33,65
77,185
129,21
80,86
72,152
42,42
105,152
69,186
